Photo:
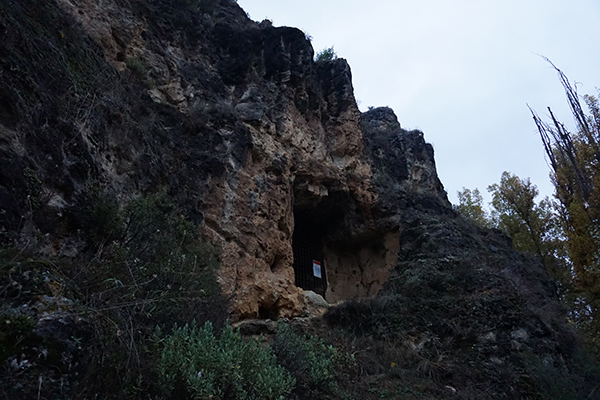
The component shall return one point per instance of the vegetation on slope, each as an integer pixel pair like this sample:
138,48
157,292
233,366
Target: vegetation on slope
116,299
562,234
463,317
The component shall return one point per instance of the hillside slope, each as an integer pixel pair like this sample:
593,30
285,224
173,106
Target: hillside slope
151,148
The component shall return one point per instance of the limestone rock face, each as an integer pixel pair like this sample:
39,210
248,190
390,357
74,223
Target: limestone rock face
309,202
256,140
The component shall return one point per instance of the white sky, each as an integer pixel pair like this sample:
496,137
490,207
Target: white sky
462,71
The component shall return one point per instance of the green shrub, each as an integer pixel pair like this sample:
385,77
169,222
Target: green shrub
150,269
137,66
107,222
309,359
326,55
148,250
196,363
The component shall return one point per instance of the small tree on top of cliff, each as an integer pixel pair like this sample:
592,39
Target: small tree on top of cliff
326,55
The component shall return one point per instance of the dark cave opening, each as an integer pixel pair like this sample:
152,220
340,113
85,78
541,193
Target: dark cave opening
333,256
307,244
318,215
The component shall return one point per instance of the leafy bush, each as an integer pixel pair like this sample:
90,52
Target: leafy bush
137,66
150,268
364,316
196,363
311,361
149,251
326,55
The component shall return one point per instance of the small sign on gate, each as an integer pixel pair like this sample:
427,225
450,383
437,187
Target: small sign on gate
316,268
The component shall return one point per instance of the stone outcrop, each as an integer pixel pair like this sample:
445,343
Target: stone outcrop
308,201
253,136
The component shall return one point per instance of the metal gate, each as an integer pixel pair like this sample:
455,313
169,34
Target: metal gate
308,262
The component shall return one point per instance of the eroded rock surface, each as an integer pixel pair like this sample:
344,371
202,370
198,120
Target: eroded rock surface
262,149
234,118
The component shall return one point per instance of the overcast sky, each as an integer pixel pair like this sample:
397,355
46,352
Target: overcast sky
462,71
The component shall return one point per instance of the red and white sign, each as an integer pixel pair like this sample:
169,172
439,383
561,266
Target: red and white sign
317,268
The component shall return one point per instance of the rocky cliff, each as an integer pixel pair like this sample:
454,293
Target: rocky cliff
260,147
233,117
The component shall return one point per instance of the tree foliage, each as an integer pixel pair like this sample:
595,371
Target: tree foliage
575,162
470,206
533,226
325,55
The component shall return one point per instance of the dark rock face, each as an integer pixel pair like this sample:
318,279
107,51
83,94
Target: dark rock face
255,142
456,289
401,156
403,164
461,296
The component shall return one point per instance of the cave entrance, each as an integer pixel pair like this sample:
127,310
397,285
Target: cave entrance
307,244
317,213
333,256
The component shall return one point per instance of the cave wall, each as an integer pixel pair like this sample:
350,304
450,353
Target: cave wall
360,270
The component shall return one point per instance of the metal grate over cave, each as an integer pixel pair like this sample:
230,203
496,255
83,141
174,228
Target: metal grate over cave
308,261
